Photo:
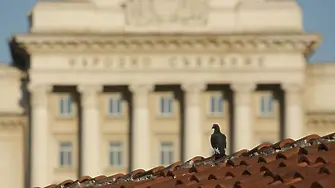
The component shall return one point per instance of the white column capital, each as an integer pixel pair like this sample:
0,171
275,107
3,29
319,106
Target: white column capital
89,94
192,91
89,89
141,94
292,93
193,87
243,92
243,87
141,88
39,94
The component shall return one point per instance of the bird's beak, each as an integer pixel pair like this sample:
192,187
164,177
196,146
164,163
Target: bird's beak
213,130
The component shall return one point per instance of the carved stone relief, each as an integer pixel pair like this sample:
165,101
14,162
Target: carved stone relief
160,12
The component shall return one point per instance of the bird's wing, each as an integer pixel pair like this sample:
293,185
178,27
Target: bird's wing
225,142
214,141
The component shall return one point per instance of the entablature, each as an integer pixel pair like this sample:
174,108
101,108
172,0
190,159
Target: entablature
105,77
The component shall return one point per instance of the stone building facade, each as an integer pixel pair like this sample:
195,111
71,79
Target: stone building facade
99,86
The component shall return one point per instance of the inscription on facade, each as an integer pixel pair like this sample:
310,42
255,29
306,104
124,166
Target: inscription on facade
166,62
166,12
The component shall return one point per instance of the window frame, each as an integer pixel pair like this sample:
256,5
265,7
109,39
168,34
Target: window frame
65,103
266,105
66,154
166,153
165,105
215,101
118,156
118,107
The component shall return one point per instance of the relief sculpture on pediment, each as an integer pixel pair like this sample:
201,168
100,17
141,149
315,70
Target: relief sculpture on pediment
166,12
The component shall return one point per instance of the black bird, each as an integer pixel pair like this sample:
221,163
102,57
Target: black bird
218,142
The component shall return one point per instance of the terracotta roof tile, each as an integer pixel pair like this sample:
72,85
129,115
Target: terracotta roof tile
307,162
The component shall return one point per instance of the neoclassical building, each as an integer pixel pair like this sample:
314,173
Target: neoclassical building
100,86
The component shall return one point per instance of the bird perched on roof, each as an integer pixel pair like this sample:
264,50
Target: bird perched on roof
218,142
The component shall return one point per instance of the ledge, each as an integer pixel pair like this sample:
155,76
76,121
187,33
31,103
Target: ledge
300,42
13,121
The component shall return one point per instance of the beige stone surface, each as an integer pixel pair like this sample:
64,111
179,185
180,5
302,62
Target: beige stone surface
140,51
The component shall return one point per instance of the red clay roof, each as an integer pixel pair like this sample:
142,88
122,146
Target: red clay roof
305,163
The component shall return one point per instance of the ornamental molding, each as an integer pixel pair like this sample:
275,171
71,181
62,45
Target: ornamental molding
39,43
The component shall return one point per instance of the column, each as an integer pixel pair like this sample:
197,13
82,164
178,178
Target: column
193,132
243,121
293,111
40,163
141,153
90,130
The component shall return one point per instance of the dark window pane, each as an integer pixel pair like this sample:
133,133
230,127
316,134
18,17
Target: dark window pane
69,105
212,104
162,105
220,104
170,157
61,106
61,158
119,106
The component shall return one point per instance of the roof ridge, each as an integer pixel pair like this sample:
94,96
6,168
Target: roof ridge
305,151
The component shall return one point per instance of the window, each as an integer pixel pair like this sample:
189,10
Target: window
115,154
65,154
65,106
166,105
266,105
216,105
166,153
115,106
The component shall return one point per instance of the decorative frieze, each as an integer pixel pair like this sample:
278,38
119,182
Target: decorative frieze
165,62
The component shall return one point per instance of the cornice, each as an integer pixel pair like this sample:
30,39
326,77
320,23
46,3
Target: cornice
8,71
9,122
34,43
321,120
